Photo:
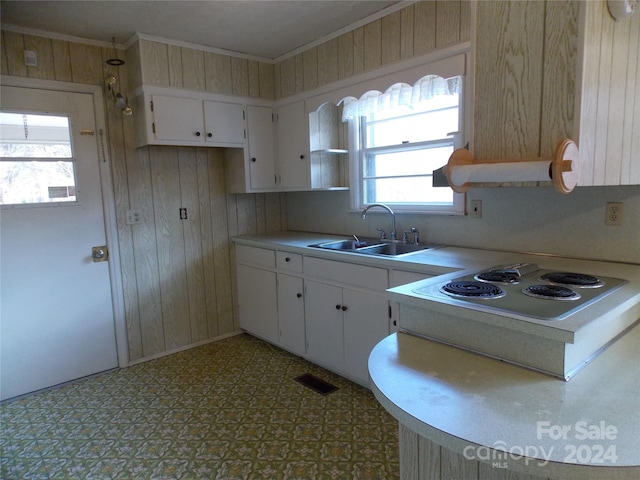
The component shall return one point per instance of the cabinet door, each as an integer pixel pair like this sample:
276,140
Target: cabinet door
291,313
323,312
292,146
224,123
261,147
366,322
257,297
177,119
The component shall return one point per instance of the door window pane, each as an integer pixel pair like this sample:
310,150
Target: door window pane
36,159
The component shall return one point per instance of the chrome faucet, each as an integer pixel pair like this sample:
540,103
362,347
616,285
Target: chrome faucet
393,217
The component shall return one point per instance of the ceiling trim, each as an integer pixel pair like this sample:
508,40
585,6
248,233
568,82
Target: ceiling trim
58,36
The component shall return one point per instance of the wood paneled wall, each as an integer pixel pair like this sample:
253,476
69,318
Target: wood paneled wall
415,30
178,275
166,65
610,108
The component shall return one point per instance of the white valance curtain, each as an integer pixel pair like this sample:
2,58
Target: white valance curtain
400,94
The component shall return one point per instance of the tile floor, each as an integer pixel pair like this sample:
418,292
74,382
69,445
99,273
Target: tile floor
226,410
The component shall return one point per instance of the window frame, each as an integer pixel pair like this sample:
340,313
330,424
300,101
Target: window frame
357,157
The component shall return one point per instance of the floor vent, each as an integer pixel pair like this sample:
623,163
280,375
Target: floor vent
316,384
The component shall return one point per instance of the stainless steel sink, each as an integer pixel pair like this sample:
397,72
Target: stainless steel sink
370,246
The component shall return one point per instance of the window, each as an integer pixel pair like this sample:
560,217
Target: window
402,136
36,161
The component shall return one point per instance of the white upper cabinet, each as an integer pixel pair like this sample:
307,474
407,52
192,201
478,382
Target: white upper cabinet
224,123
292,147
188,120
261,148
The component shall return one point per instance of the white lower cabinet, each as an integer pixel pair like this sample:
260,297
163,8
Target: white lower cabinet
258,299
291,313
331,313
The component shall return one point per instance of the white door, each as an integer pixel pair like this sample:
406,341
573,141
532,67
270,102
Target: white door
56,312
261,145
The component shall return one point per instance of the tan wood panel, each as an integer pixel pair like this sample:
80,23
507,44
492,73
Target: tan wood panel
465,20
299,83
232,226
239,76
631,155
174,59
390,35
358,50
266,72
132,56
345,55
217,73
192,232
634,154
288,77
406,32
277,87
193,71
221,247
454,465
409,461
604,94
273,212
42,47
4,65
86,64
559,74
171,248
447,23
146,254
424,27
13,48
310,65
328,62
203,159
61,60
253,73
372,45
589,100
261,217
618,101
429,455
508,88
154,63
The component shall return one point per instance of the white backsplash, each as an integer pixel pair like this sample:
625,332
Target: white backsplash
536,220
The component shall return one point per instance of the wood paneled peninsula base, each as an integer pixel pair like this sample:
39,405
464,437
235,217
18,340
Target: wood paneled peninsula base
465,416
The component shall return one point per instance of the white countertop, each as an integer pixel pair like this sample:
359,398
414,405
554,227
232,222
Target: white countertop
461,400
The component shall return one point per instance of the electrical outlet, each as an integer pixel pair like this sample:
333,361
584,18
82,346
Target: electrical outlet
614,213
475,210
134,217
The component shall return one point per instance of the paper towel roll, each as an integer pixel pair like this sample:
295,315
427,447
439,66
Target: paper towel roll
536,171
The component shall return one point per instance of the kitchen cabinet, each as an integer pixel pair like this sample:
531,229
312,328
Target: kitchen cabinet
262,169
291,302
191,121
257,292
292,147
346,314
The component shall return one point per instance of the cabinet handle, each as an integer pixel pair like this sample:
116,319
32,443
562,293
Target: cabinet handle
253,159
344,309
287,259
197,134
299,295
337,307
301,157
209,134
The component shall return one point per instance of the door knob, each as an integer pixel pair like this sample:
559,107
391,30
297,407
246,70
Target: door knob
100,254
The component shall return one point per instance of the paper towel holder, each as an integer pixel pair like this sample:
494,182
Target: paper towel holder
563,166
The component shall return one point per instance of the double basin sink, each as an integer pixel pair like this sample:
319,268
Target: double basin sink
370,246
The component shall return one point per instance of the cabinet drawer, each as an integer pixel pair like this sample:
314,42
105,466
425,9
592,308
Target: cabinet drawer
291,262
349,274
255,256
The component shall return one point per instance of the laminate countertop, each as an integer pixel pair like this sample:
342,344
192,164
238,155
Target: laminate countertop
491,411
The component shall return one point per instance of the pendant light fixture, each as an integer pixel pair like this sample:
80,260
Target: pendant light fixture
119,101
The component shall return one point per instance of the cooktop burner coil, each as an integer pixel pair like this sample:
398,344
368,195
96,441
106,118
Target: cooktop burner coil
551,292
572,279
497,276
472,289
